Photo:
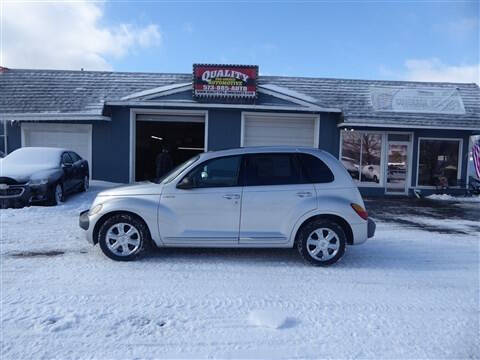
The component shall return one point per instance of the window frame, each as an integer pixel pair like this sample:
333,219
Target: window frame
460,159
240,174
384,135
305,176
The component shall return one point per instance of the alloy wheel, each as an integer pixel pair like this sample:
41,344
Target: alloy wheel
123,239
323,244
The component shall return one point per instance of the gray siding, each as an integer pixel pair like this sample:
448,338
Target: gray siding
329,139
111,147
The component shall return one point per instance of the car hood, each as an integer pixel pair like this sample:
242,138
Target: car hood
143,188
21,173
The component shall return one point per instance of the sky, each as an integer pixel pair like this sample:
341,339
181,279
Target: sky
397,40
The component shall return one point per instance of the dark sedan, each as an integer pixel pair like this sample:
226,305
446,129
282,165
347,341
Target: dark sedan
35,174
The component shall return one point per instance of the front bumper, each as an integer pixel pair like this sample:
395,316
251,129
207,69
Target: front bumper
371,228
83,220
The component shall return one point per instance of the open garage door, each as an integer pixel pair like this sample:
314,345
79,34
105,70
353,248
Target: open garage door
165,141
280,129
74,137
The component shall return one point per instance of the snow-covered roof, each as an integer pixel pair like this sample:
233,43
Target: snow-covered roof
86,92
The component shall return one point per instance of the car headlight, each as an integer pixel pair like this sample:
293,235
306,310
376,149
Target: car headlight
38,181
95,210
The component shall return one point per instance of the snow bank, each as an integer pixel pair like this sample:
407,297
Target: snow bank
446,197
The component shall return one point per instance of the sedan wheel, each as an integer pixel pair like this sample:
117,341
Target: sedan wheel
86,184
58,194
123,237
321,242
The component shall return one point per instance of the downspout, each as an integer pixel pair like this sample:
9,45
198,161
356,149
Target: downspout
5,142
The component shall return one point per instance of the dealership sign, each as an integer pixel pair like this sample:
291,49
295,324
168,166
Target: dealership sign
419,100
228,82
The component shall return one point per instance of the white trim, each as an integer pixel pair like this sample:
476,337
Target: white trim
310,103
393,126
287,94
159,91
315,117
133,120
61,127
53,117
460,159
189,104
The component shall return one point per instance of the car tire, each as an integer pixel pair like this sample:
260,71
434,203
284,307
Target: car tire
85,184
321,242
115,241
56,194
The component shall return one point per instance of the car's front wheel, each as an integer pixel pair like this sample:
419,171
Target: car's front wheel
56,195
123,237
321,242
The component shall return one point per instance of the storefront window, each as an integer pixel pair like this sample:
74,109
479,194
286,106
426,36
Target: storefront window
361,156
438,162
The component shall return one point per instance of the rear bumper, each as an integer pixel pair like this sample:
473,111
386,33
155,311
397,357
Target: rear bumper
371,228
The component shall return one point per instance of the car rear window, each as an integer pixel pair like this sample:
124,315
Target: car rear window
315,170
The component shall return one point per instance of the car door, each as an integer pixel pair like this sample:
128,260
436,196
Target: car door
80,169
206,211
69,172
275,196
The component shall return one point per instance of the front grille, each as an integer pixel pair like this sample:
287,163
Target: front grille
11,192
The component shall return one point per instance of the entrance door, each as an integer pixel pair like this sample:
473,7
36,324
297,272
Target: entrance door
397,167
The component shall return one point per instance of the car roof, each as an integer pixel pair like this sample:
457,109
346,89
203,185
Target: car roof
42,149
262,149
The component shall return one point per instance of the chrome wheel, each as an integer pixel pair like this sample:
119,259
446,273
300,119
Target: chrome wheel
58,194
323,244
123,239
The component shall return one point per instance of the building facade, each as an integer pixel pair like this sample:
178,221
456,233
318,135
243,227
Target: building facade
393,137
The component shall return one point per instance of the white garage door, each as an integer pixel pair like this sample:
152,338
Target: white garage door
69,136
270,130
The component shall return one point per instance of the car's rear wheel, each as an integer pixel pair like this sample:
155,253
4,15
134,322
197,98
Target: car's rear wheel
321,242
56,195
85,183
123,237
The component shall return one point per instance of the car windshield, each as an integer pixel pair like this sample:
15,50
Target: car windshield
174,173
33,156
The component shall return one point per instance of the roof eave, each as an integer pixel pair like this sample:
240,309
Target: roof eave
53,117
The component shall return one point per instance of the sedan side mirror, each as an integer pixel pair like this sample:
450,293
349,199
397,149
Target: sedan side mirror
185,184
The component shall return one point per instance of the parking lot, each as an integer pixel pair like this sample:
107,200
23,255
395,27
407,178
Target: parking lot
411,292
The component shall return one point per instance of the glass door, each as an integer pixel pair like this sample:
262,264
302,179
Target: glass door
397,167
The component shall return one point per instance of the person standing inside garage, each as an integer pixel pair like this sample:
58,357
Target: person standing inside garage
163,162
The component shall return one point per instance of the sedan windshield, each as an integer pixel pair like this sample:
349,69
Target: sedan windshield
174,173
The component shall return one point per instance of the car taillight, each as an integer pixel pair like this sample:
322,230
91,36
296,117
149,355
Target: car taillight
360,211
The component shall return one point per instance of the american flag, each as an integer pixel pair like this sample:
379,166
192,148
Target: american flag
476,157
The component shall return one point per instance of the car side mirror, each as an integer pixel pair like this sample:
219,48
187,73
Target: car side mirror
185,184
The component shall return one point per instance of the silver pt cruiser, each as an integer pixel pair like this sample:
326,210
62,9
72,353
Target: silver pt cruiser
264,197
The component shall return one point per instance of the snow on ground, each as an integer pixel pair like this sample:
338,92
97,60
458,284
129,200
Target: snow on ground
407,293
446,197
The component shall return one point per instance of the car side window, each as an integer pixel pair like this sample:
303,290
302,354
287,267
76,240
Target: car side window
315,170
75,157
272,169
66,159
220,172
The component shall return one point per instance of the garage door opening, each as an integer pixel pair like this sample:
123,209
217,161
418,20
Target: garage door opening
180,139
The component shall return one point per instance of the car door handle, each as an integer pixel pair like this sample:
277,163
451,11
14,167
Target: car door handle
231,196
303,194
